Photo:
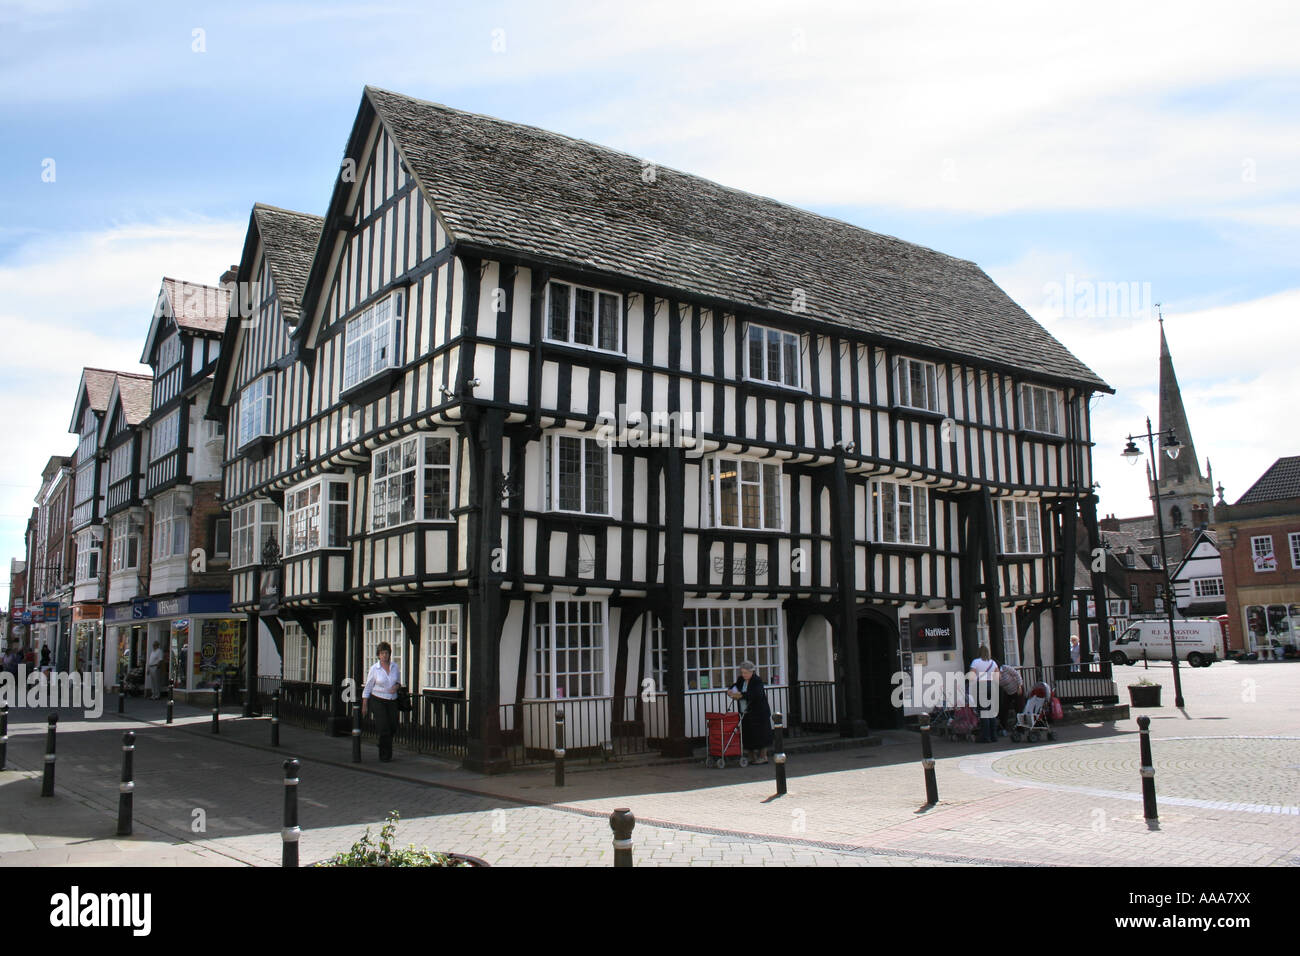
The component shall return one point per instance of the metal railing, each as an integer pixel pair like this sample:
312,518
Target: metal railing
302,703
595,728
1083,683
438,723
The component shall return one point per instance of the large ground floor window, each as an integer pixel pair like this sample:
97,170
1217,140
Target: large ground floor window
718,638
569,641
301,661
379,628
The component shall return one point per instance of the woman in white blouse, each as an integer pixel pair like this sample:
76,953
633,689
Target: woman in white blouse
381,689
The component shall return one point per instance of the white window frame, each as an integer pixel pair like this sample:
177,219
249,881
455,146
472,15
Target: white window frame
126,543
171,528
90,545
377,628
904,393
304,529
1293,539
589,449
257,409
88,439
765,475
1010,639
787,362
570,337
1261,546
717,637
169,352
1036,399
296,663
384,478
553,671
165,436
324,652
1026,525
1207,587
119,463
444,652
881,492
372,339
250,527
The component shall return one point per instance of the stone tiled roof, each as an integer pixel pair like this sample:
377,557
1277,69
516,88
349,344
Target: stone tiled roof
99,383
289,239
136,394
519,189
200,308
1282,480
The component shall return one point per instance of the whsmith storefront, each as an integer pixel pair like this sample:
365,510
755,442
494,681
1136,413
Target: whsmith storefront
201,641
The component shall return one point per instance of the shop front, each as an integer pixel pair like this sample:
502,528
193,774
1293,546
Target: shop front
201,641
88,638
1272,630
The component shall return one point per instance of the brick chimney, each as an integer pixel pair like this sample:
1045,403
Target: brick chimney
1108,523
1200,515
229,276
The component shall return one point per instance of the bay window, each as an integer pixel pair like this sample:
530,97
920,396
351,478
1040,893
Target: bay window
164,437
569,643
126,546
256,409
902,513
170,528
119,463
89,544
251,527
316,516
576,473
742,493
411,481
372,340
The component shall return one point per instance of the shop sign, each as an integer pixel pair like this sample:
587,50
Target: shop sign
169,607
87,612
269,593
52,610
932,632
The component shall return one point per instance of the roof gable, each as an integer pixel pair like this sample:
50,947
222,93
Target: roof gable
93,392
191,307
1282,480
510,188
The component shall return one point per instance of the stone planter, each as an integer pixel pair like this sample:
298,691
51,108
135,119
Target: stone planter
1144,695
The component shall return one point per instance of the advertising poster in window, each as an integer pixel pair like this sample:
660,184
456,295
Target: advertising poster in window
208,649
227,643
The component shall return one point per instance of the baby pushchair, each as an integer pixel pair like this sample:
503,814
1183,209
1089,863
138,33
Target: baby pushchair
1032,723
965,723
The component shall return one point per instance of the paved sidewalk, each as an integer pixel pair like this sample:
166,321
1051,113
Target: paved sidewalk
1228,778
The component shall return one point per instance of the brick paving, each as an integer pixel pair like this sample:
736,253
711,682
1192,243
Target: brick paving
1227,773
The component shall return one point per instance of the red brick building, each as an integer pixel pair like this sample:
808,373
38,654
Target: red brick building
1259,540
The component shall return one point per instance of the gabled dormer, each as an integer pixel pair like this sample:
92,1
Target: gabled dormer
121,438
88,412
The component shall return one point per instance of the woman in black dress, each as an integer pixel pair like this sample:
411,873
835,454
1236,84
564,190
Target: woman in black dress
756,716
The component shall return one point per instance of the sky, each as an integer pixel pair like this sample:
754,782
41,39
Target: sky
1094,158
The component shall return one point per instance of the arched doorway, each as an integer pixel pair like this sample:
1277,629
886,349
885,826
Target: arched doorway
877,666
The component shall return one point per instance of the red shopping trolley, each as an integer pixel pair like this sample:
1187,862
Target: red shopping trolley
724,740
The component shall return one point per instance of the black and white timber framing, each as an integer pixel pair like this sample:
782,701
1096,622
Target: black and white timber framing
468,231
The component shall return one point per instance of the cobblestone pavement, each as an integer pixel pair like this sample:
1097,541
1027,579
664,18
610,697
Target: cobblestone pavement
1226,776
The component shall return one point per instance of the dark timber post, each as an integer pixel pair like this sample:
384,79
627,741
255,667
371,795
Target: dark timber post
670,611
844,633
485,427
1148,771
340,723
47,784
1068,509
289,835
126,789
1088,509
621,822
252,639
988,550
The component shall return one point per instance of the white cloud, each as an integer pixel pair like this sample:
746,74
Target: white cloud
79,300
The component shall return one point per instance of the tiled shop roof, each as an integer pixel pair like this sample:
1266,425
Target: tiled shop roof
200,308
289,239
136,392
1282,480
525,190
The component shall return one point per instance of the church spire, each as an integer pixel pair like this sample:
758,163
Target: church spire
1173,415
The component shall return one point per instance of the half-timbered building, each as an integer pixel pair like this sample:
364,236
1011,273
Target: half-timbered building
123,449
572,430
187,610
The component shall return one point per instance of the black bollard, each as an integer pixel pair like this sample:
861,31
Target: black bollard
121,699
291,831
1148,771
559,748
927,762
4,735
47,785
1146,665
216,710
778,757
126,789
275,719
621,822
171,701
356,733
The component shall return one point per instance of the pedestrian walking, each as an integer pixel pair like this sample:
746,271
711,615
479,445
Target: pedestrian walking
153,674
985,669
381,689
45,658
1074,653
755,715
12,659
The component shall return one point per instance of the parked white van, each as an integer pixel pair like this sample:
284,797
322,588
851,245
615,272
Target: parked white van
1199,642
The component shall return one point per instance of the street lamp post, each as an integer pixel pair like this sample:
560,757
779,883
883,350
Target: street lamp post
1172,446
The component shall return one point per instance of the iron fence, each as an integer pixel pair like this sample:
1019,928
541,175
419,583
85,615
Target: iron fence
1082,683
437,723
